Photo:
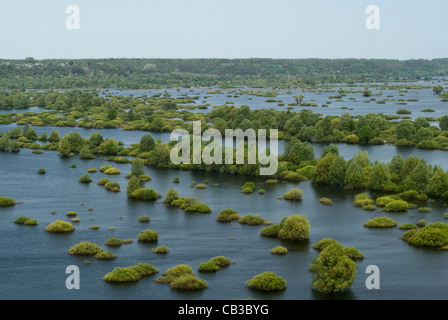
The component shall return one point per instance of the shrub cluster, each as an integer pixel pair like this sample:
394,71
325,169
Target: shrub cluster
191,204
60,227
130,274
227,215
267,281
253,220
181,277
85,248
295,228
432,235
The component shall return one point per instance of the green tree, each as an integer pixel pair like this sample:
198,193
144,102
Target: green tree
438,184
297,151
362,158
296,227
64,147
14,146
338,169
379,176
138,167
437,89
86,153
354,177
323,166
405,130
160,156
419,177
95,140
146,143
334,272
54,136
133,184
171,195
443,124
157,125
330,148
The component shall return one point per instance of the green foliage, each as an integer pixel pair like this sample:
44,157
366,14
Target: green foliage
138,167
424,209
175,272
353,253
363,200
383,201
271,231
113,242
171,196
148,236
161,250
421,223
144,218
92,170
133,185
380,222
293,194
130,274
333,270
227,215
220,261
85,248
295,227
279,250
191,204
71,214
85,179
248,187
144,195
208,267
21,220
252,220
267,281
105,255
6,202
396,206
407,226
146,143
323,243
60,227
86,153
41,171
103,182
433,235
188,282
112,186
326,201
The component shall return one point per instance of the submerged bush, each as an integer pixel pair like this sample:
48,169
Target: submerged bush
396,206
220,261
85,179
60,227
295,227
105,255
353,253
323,243
112,186
92,170
6,202
363,200
177,271
85,248
71,214
267,281
41,171
161,250
383,201
171,195
227,215
148,236
113,242
188,282
293,194
130,274
208,267
94,227
103,182
112,171
421,223
271,231
279,250
380,222
21,220
252,220
326,201
144,218
407,226
144,194
424,209
191,204
429,237
248,187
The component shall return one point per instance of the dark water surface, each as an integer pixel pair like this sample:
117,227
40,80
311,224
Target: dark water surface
33,262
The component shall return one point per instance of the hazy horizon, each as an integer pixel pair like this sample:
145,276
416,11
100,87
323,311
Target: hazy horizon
211,29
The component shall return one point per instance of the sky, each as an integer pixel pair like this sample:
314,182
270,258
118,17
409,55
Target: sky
412,29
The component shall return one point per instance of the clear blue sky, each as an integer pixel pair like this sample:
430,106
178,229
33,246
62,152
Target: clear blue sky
410,29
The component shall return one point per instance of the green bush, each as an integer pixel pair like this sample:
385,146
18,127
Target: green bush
85,248
380,222
106,167
227,215
148,236
323,243
41,171
71,214
252,220
248,187
112,186
429,237
353,253
85,179
208,267
144,195
177,271
201,186
113,242
103,182
191,204
405,236
247,190
383,201
130,274
176,180
171,196
295,227
362,200
220,261
161,250
112,171
271,181
105,256
21,220
293,194
267,281
279,250
94,227
421,223
188,282
60,227
261,191
6,202
144,178
75,220
144,218
271,231
92,170
424,209
396,206
407,226
326,201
